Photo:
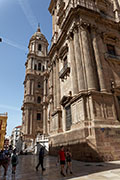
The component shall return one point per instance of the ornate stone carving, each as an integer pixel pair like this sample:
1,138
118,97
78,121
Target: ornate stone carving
97,109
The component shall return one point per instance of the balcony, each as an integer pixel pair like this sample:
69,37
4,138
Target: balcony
29,99
112,57
64,71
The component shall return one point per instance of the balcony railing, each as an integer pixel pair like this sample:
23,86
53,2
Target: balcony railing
64,71
112,57
29,99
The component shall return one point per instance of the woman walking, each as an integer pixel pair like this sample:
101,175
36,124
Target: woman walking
14,161
69,161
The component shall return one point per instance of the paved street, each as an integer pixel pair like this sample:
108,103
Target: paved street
81,170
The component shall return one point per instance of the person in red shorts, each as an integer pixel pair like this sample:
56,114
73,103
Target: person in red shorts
62,159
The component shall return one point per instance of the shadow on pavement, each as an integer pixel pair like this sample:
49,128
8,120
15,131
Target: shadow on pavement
27,163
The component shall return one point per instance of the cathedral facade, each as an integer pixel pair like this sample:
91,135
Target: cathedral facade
84,79
80,99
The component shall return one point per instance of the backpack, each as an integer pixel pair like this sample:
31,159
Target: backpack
14,159
1,156
41,153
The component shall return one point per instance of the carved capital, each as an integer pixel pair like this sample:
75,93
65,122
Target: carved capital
83,25
75,28
93,27
69,36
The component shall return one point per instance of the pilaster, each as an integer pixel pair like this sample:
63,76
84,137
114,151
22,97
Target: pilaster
73,63
78,58
87,56
97,59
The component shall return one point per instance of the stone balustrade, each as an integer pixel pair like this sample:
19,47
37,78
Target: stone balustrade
29,99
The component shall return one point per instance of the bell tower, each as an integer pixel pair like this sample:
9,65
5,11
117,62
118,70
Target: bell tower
36,65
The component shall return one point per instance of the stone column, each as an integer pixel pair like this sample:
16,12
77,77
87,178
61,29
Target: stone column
29,87
51,90
78,58
91,84
27,117
45,122
44,108
32,92
44,84
57,84
116,10
29,63
31,120
98,61
51,82
33,63
54,85
73,64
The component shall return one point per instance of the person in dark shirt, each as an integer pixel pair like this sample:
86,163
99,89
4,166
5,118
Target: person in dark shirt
68,161
41,158
61,158
4,160
14,161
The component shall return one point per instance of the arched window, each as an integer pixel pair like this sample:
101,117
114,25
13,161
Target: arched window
39,86
39,99
43,68
39,47
39,66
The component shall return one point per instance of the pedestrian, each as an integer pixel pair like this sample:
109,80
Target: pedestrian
68,161
61,158
3,161
41,158
14,161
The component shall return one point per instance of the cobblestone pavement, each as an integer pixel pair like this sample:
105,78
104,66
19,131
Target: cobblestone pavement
81,170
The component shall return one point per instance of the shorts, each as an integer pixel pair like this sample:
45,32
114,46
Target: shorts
62,162
14,165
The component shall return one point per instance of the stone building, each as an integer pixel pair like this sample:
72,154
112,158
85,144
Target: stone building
83,94
3,125
35,77
15,136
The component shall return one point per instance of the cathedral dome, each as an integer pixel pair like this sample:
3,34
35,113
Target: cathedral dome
38,36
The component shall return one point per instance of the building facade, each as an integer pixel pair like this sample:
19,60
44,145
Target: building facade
6,142
83,91
3,125
35,79
15,136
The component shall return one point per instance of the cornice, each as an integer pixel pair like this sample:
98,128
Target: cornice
75,13
52,3
34,55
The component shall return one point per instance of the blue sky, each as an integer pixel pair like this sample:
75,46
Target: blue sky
18,22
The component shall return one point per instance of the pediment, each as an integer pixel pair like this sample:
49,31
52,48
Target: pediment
111,37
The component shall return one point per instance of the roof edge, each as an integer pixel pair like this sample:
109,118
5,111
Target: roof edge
51,5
